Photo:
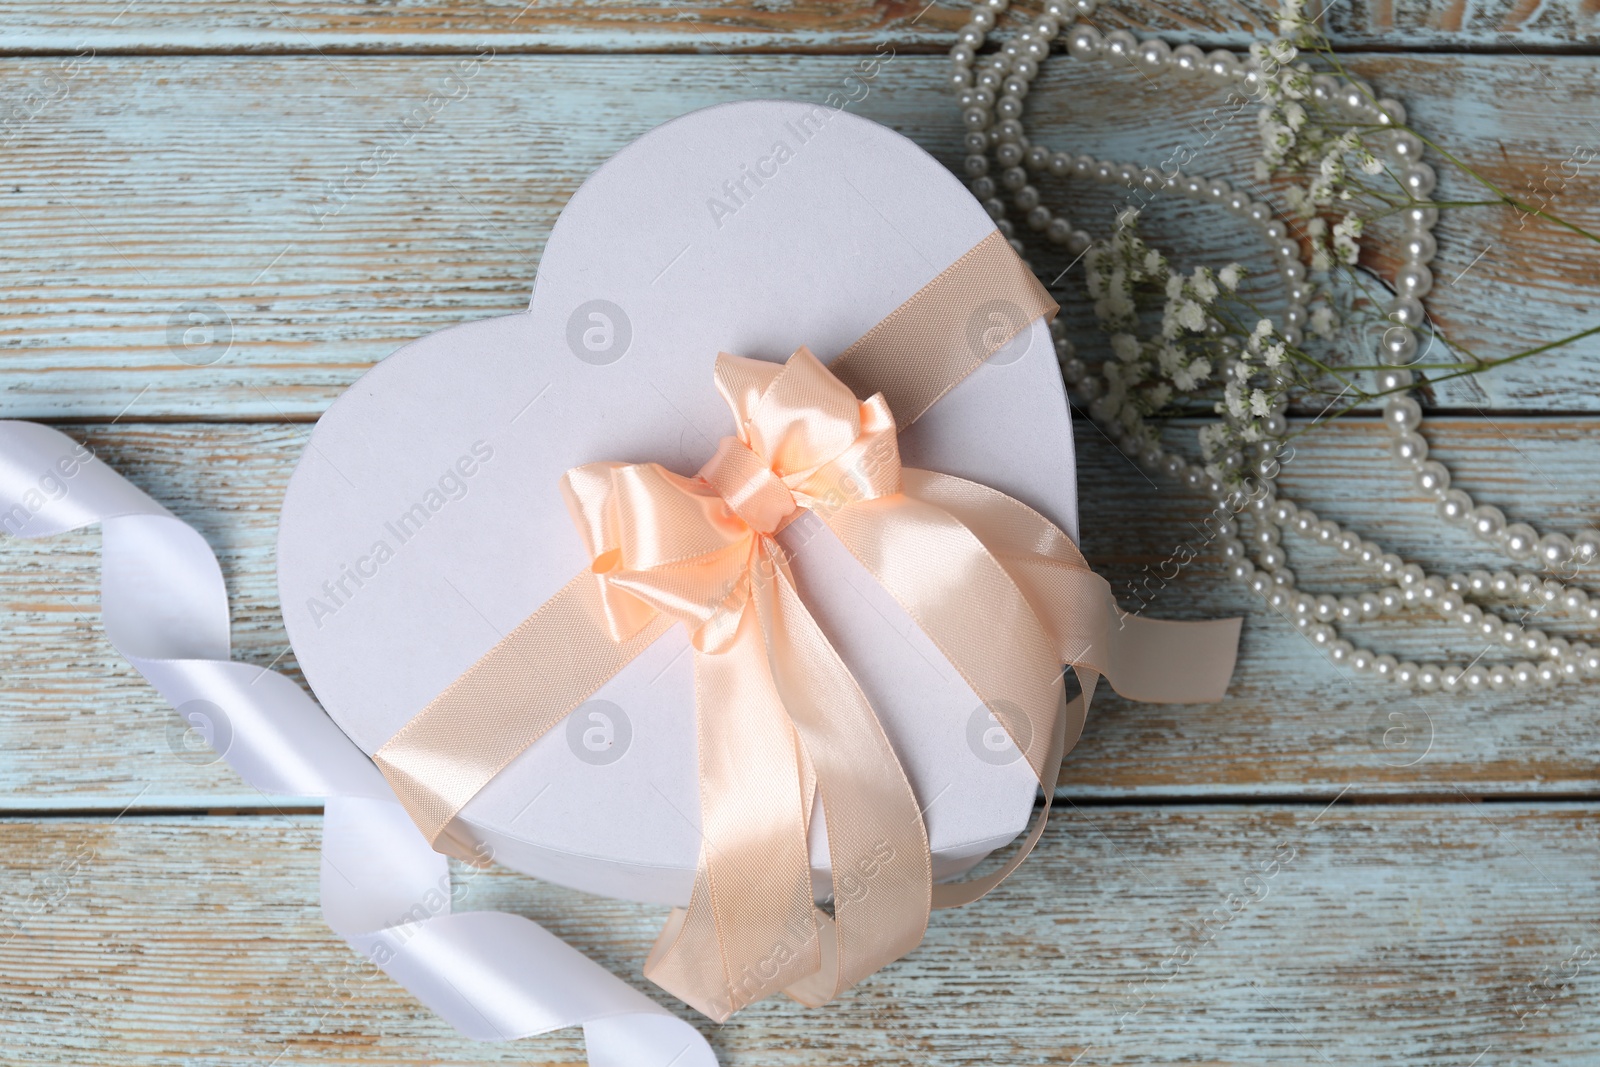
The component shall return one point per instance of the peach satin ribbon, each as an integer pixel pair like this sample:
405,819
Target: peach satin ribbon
1003,593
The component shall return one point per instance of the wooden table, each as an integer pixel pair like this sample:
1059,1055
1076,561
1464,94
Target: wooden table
1434,861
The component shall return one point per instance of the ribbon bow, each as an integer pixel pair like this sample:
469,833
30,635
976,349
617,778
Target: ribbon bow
782,725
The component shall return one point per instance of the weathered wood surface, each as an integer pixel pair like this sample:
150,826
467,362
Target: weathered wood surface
1445,930
167,154
140,190
81,730
658,25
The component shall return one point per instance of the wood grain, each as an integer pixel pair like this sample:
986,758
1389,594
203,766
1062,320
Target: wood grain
1410,934
79,729
151,190
657,25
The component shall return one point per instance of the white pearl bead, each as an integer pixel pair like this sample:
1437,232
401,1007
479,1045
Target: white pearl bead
1519,540
1414,280
1586,546
1524,675
1120,44
1409,448
1154,54
1555,549
1418,179
1391,112
1361,660
1384,666
1084,41
1488,521
1455,507
1432,477
1339,651
1222,64
1327,608
1402,415
1405,673
1499,677
1428,677
1405,146
1188,60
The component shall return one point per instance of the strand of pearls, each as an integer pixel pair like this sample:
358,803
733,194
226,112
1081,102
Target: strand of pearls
992,91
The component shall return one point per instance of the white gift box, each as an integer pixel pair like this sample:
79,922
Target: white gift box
424,520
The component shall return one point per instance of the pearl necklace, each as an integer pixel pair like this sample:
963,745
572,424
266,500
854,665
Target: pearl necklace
992,108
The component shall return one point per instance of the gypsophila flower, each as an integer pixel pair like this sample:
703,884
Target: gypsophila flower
1192,317
1323,321
1125,346
1230,276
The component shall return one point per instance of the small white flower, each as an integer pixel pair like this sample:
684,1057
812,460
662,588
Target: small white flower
1126,346
1159,396
1370,164
1128,218
1169,359
1203,285
1232,396
1153,262
1229,276
1262,331
1174,286
1294,115
1260,406
1192,316
1274,354
1323,322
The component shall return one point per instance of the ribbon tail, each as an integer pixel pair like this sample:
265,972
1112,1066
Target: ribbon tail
750,928
877,843
491,975
1148,660
972,609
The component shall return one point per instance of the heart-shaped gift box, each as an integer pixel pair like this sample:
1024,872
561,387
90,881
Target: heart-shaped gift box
424,521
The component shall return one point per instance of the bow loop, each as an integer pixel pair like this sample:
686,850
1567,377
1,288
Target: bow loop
795,419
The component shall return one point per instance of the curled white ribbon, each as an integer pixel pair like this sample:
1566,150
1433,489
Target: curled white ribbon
493,976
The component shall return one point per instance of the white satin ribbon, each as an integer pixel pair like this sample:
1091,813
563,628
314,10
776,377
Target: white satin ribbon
493,976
